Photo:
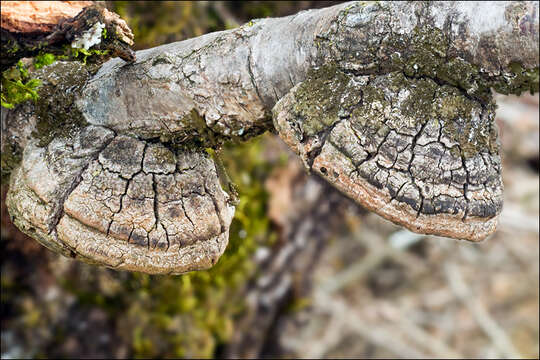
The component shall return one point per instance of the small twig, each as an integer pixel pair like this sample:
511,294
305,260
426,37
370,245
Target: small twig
221,9
498,336
375,334
437,347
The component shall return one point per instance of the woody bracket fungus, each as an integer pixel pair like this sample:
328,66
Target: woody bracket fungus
390,102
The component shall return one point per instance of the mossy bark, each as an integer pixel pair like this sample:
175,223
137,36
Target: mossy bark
230,80
223,86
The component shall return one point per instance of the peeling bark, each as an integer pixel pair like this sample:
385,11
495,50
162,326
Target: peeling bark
32,27
390,102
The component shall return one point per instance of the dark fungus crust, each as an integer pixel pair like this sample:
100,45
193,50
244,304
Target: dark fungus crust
421,154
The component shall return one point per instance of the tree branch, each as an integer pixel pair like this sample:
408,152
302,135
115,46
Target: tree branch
390,102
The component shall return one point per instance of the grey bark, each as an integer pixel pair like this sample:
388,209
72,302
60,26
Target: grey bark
390,102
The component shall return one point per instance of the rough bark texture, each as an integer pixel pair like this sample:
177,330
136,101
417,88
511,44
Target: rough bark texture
390,102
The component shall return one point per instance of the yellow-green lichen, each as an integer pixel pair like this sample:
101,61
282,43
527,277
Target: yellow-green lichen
465,121
320,97
521,80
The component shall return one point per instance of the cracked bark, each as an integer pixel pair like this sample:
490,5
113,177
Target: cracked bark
389,102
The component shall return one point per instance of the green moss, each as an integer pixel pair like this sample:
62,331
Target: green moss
419,104
427,51
320,103
424,54
57,113
82,55
452,108
17,86
11,157
12,47
370,114
43,60
473,133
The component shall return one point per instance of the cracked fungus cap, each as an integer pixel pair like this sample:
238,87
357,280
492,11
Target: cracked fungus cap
418,153
122,202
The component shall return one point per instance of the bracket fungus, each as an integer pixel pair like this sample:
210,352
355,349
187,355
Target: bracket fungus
388,101
122,202
421,155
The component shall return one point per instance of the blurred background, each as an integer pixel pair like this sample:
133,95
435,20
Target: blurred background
307,273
